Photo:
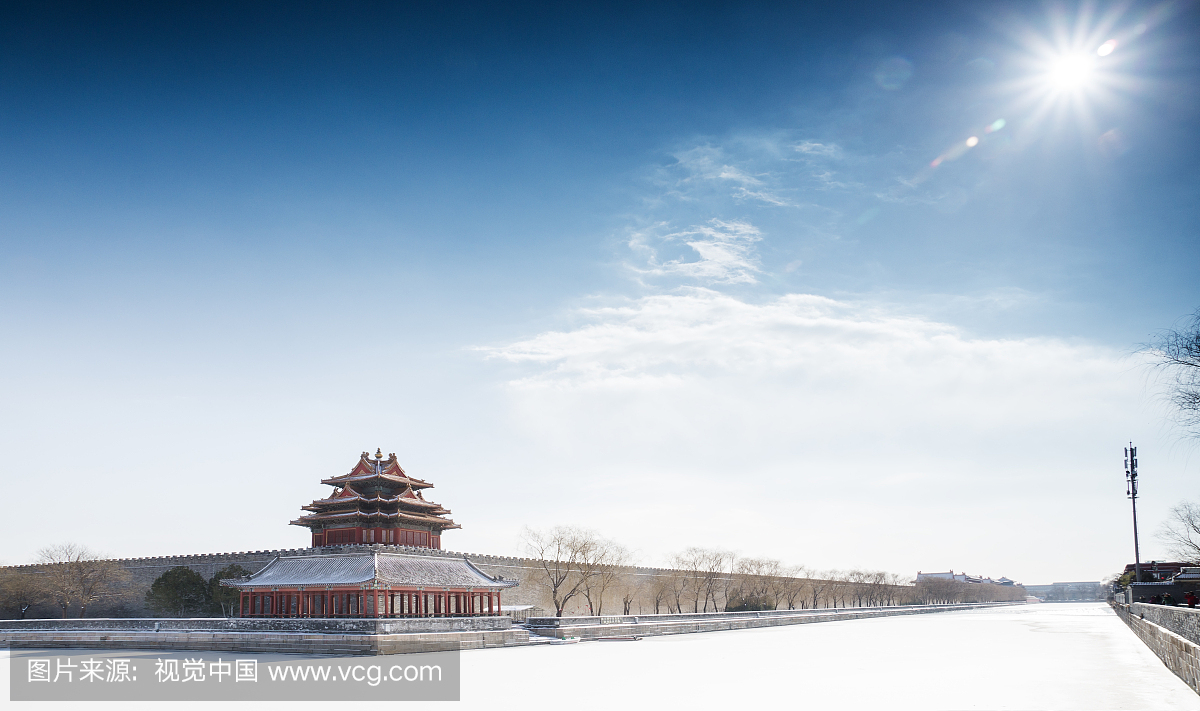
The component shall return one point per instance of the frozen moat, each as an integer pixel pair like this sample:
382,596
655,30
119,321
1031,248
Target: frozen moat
1050,656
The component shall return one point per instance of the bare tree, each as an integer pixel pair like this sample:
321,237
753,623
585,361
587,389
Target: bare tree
795,586
1181,532
630,585
691,564
1176,353
62,585
660,590
678,582
75,575
818,587
839,587
563,553
716,563
705,570
601,565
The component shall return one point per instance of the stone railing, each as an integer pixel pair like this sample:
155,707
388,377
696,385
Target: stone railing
703,616
648,625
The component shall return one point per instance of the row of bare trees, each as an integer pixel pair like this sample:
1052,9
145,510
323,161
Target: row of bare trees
67,576
577,564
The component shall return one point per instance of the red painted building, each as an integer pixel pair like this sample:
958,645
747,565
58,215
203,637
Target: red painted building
370,581
377,502
386,562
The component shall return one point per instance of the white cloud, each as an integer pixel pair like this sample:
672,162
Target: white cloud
700,167
725,250
818,149
912,443
763,195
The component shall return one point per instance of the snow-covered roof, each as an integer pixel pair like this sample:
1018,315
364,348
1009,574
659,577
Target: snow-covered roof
394,569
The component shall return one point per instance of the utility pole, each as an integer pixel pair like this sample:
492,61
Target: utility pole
1132,493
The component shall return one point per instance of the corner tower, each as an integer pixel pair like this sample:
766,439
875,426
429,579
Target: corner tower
376,503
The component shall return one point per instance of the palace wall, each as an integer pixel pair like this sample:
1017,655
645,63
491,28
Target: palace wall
637,582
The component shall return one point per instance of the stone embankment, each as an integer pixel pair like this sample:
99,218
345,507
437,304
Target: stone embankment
651,625
397,636
283,636
1172,633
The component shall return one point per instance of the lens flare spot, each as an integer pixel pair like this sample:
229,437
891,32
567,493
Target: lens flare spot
1107,48
995,126
972,141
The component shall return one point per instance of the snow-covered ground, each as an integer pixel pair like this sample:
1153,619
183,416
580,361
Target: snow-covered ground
1050,656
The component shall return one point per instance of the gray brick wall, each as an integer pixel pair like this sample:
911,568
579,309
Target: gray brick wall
1152,624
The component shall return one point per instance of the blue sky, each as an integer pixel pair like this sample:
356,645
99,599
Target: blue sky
598,259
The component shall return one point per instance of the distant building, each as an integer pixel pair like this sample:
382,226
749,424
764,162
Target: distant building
1154,571
962,578
1063,592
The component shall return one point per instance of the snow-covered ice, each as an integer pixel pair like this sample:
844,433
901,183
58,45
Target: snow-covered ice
1050,656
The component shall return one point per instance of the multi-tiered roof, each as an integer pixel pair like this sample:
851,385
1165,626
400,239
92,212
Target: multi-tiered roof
376,502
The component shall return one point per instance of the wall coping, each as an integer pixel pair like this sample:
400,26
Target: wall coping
552,622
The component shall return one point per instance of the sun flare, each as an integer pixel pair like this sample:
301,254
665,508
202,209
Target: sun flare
1070,73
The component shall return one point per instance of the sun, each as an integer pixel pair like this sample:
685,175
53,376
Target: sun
1070,68
1070,73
